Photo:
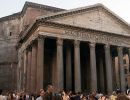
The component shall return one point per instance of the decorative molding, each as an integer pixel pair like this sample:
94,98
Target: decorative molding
79,33
99,37
68,12
68,27
84,9
28,42
91,36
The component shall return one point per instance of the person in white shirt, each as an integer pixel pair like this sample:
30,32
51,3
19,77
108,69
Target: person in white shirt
1,96
41,95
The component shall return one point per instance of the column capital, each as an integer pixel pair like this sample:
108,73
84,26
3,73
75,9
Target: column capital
119,48
92,45
107,46
59,42
40,37
76,43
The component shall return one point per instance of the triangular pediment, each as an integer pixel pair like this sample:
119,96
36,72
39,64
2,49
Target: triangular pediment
94,17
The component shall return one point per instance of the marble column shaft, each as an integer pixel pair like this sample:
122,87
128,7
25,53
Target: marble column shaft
93,67
101,79
19,72
22,72
68,69
77,68
129,59
33,68
40,63
25,70
108,69
59,68
121,67
29,55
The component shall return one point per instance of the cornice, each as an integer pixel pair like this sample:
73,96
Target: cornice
11,17
33,5
68,12
55,24
40,6
84,9
27,32
59,25
118,18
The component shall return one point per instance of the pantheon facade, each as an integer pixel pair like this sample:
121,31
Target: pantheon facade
72,49
75,50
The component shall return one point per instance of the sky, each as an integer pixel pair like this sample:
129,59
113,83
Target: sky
120,7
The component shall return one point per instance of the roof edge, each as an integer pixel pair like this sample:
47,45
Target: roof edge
81,9
115,15
30,4
10,17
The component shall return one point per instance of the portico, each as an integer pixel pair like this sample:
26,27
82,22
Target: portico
72,58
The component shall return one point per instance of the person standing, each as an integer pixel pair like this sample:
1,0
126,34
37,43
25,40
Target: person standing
49,93
1,96
41,97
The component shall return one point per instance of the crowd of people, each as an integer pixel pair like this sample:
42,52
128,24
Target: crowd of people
50,94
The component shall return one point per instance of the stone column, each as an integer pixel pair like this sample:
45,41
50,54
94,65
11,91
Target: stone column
101,79
59,68
33,68
18,78
25,69
117,71
93,68
77,69
114,79
19,71
29,55
121,67
68,69
27,75
22,72
40,63
54,68
13,76
129,59
19,81
108,69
